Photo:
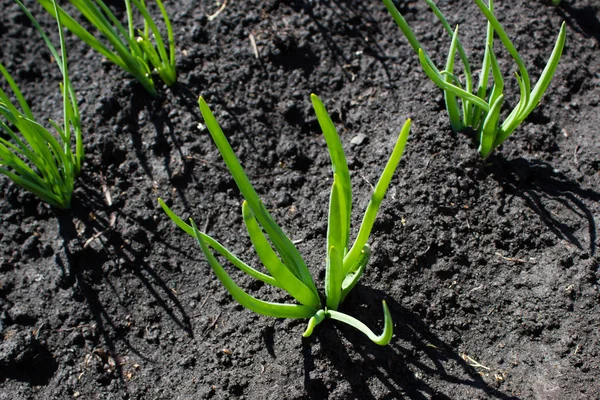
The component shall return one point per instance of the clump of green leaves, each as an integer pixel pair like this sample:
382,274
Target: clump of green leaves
30,155
286,269
135,52
481,108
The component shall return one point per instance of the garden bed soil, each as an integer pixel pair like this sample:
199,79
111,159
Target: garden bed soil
490,268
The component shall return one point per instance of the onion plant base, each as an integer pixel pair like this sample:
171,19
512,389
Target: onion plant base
481,108
140,53
286,269
41,162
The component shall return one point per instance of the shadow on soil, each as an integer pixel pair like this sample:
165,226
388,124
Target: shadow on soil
356,22
581,20
34,364
89,267
542,188
415,357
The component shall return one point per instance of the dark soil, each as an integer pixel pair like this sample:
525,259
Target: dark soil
490,268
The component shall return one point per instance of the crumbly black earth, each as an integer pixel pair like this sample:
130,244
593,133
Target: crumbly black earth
490,268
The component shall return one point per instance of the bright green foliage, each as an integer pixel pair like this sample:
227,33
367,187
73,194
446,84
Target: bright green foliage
137,55
31,156
481,108
287,270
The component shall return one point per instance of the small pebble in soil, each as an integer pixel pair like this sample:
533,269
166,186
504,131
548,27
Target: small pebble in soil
359,139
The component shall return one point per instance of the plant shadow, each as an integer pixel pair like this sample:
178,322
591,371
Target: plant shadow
583,20
357,22
404,367
93,268
544,189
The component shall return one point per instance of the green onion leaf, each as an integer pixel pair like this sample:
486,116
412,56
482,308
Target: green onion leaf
388,328
351,259
277,310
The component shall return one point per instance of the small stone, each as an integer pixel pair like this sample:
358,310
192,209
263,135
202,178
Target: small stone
358,139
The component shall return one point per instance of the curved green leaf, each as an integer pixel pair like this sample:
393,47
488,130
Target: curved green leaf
340,168
287,280
284,246
350,260
388,328
278,310
352,278
450,99
269,280
314,321
437,78
333,278
490,128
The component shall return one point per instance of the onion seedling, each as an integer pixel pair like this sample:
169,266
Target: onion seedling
481,108
286,269
135,53
30,155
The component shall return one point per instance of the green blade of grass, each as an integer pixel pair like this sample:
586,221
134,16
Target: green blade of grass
36,151
438,79
408,33
219,248
37,160
170,37
356,272
333,278
450,99
340,168
22,147
498,88
403,25
485,69
9,158
490,128
278,310
509,124
111,28
314,321
105,20
388,328
508,45
163,62
127,53
5,100
44,194
350,260
70,107
513,121
129,12
546,77
337,221
288,281
463,57
284,246
78,30
45,146
336,245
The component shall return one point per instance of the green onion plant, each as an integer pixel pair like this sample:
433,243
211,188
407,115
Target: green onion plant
481,107
43,163
286,269
135,52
